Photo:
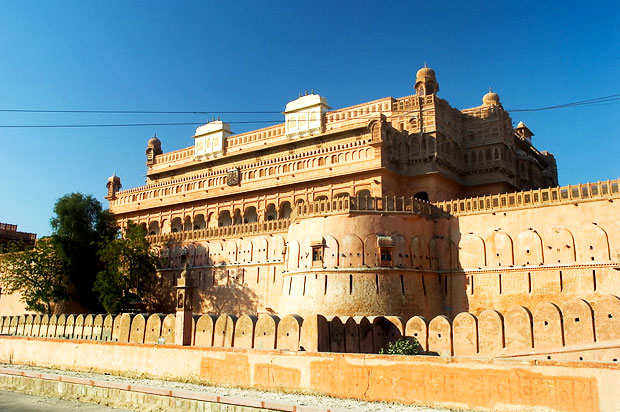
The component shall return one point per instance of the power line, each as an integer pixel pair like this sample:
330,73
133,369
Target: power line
37,126
595,101
132,111
604,100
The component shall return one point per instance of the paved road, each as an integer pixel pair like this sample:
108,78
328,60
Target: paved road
20,402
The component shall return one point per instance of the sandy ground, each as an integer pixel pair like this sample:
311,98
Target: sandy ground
299,399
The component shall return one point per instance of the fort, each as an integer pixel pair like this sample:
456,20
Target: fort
293,253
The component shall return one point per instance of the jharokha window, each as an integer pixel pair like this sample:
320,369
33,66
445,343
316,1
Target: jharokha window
385,244
386,256
317,255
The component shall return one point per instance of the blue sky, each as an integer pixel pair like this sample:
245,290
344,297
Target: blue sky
225,56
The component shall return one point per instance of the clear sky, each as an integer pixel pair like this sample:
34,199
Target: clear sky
257,56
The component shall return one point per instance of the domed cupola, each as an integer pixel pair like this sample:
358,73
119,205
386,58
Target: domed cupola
113,185
153,148
426,82
491,99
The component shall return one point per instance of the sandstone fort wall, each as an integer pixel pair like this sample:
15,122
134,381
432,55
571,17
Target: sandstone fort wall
560,386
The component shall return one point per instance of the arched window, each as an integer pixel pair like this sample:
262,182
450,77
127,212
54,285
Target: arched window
176,225
270,213
285,210
199,222
224,219
250,216
153,228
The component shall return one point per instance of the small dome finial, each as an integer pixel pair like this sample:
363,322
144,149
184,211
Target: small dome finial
490,99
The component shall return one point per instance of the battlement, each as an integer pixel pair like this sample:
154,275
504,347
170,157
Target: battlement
368,204
609,189
256,228
574,329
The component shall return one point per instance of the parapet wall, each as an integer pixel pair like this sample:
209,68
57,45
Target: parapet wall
609,189
578,330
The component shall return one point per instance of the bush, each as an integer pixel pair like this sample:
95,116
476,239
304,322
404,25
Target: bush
401,347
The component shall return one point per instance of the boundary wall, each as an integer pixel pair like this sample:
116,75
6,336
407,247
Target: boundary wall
576,330
498,384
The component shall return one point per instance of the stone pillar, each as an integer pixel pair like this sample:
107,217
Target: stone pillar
185,292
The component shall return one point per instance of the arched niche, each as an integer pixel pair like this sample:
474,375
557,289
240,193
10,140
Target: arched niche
499,250
352,251
292,255
442,253
331,253
472,251
528,248
592,243
559,245
419,253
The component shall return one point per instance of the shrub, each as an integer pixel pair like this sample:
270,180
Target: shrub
401,347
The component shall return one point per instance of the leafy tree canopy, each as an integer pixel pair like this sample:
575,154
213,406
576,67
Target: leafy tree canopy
80,227
130,268
38,273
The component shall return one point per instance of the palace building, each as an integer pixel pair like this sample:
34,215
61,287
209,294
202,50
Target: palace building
398,206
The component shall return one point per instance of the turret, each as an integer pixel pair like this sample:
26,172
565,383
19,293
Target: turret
524,132
153,148
113,185
426,82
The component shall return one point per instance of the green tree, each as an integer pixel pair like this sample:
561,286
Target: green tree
38,273
80,227
130,268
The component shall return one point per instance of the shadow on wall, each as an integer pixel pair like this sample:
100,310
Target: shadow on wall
160,296
227,293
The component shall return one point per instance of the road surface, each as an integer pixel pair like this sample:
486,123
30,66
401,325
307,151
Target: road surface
21,402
